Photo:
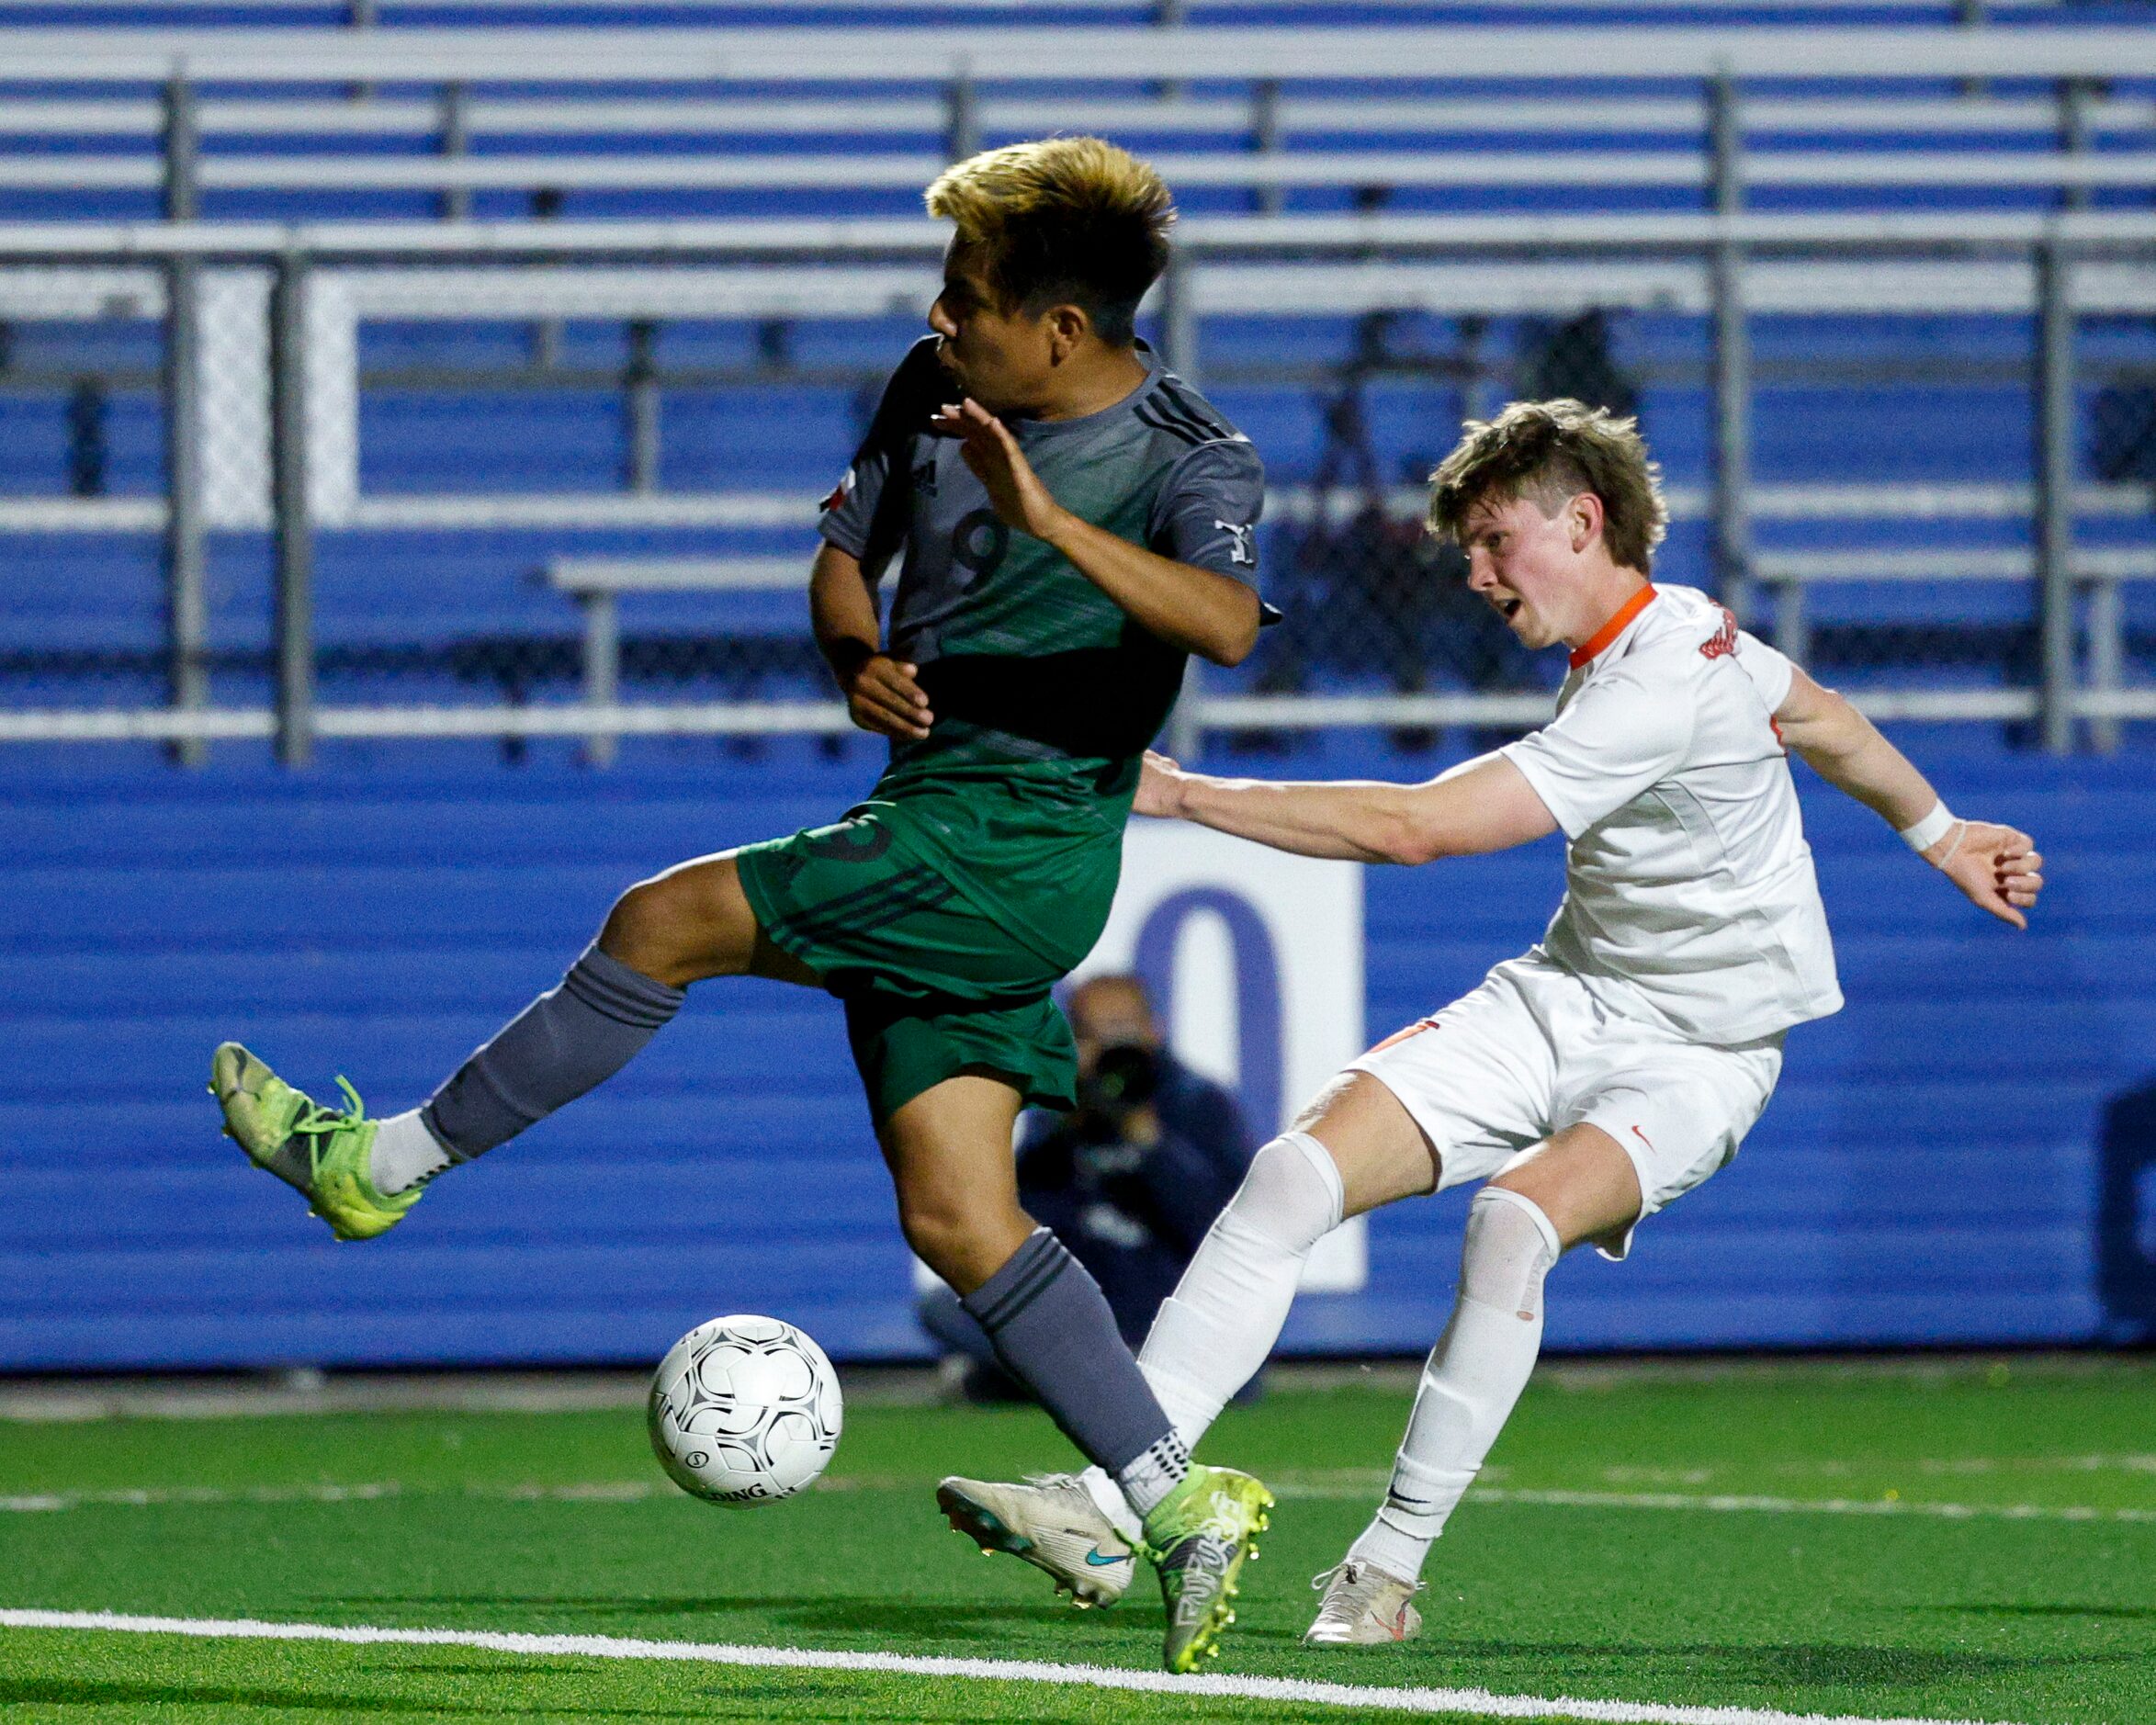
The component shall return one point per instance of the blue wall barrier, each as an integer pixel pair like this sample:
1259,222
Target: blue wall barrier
1926,1175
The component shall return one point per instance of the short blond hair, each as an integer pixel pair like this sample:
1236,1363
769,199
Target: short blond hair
1062,219
1549,451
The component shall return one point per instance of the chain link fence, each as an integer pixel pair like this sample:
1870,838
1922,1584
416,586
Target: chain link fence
2122,411
1373,604
1370,598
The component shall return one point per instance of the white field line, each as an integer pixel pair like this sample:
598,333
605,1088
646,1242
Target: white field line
1830,1468
1345,1484
1728,1502
1478,1702
1361,1482
152,1497
305,1393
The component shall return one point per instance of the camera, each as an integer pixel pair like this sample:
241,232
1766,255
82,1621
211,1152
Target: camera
1124,1078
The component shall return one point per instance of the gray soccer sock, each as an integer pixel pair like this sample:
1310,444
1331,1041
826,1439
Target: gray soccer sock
572,1037
1052,1330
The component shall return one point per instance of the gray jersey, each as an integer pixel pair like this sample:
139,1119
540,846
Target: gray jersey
1021,657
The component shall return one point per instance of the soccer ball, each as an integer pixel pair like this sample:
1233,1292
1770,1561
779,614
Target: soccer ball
744,1410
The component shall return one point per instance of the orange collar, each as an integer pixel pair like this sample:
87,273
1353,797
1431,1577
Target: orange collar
1610,630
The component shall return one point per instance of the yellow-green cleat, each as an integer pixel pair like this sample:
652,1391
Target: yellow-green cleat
322,1151
1198,1538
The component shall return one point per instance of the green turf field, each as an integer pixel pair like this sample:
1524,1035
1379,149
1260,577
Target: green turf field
1966,1539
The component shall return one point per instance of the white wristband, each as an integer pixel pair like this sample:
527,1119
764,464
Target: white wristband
1928,831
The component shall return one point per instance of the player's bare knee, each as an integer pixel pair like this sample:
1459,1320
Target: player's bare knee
682,925
964,1243
1381,1153
1586,1187
644,929
932,1234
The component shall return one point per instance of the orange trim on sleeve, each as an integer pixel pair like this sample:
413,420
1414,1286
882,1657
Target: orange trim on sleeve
1415,1029
1610,630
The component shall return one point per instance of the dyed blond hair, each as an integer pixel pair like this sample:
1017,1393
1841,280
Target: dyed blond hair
1061,219
1549,451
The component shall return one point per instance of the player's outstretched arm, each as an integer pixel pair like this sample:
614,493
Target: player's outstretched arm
1210,615
1482,805
1997,867
881,692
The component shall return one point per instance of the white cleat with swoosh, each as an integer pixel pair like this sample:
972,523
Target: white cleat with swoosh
1053,1522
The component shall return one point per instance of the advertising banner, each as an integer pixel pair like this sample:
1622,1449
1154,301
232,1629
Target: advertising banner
1254,962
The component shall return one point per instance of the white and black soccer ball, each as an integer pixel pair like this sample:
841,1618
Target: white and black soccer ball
744,1410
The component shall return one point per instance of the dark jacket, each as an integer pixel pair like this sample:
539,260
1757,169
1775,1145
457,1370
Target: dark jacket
1134,1215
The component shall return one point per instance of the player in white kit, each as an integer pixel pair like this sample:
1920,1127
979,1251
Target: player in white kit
1617,1065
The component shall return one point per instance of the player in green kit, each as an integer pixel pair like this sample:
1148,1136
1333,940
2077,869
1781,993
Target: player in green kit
1068,522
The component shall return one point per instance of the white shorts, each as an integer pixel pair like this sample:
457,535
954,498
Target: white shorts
1532,1051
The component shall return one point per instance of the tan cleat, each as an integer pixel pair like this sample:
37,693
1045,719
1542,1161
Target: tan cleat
1363,1606
1053,1522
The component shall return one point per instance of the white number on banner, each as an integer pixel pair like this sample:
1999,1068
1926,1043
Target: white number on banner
1253,961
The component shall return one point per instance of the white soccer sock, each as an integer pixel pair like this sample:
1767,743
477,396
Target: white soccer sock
1213,1333
1474,1375
1108,1500
1148,1478
404,1153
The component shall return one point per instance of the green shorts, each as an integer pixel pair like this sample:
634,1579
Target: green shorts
932,987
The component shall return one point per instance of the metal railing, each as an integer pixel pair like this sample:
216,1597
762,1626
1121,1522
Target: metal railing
985,78
995,55
2040,263
828,83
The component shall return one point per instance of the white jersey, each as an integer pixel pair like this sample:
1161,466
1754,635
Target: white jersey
1689,897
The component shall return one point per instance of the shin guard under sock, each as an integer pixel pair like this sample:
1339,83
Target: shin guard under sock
1054,1332
1475,1375
575,1035
1212,1335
